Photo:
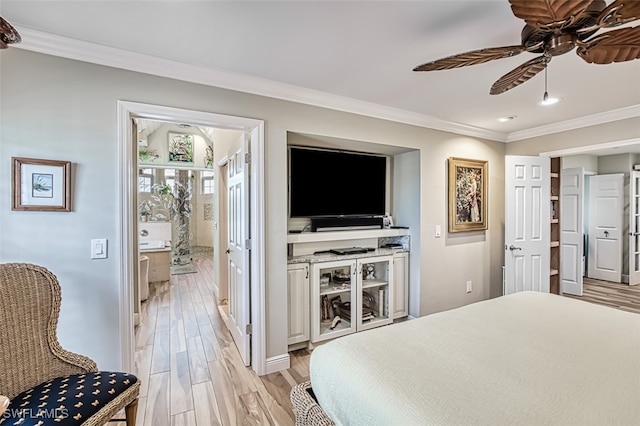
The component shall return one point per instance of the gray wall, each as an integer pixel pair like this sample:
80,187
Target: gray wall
62,109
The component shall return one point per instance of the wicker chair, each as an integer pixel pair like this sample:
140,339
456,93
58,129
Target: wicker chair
305,407
46,384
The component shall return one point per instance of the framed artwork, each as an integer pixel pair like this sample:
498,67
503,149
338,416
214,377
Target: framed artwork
467,195
41,185
180,148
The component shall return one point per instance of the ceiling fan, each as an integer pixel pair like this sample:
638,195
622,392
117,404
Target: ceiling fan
555,27
8,34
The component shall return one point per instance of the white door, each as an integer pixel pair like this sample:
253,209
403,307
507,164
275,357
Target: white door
527,224
634,228
571,230
238,247
606,204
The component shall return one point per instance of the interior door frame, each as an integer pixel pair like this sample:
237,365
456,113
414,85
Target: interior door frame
127,182
634,187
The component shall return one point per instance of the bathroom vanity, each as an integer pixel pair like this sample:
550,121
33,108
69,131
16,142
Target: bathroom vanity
155,243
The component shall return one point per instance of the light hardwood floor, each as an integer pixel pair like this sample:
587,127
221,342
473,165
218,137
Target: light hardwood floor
615,295
192,375
190,370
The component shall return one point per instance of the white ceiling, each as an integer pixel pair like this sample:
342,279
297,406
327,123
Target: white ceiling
353,49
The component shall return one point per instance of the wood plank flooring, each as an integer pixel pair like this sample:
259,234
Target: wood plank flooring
615,295
190,370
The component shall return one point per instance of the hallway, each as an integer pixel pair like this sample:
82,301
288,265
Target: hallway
614,295
189,367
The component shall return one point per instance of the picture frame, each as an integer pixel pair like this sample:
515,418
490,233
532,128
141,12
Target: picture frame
468,196
40,185
181,146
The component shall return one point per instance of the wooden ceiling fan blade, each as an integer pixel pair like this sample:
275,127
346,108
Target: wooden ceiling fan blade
8,34
619,45
549,13
520,74
618,13
471,58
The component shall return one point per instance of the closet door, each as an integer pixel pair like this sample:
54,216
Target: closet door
606,204
527,230
571,226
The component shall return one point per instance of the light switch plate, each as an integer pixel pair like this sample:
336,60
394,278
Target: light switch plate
99,248
438,231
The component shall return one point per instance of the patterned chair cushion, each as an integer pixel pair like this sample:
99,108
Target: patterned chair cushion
68,400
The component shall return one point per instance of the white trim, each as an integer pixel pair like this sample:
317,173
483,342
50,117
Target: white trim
51,44
126,241
591,148
66,47
277,363
127,110
258,243
578,123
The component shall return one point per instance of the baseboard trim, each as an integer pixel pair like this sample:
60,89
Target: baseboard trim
278,363
625,279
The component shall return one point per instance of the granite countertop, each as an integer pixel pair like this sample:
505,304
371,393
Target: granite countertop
329,257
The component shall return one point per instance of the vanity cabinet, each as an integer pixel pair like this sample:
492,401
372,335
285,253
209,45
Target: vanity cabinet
159,265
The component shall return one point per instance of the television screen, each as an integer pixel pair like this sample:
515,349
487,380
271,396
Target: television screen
336,183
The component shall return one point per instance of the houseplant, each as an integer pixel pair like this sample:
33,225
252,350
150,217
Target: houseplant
145,210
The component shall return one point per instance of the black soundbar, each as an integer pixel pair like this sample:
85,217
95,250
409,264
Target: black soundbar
345,223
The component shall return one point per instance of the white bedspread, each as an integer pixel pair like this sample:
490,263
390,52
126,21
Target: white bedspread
523,359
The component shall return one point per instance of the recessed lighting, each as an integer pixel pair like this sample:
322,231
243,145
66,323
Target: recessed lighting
506,118
549,101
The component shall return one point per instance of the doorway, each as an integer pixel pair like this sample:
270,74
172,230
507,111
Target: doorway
128,171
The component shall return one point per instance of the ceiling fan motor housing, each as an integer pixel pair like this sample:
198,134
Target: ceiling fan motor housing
561,37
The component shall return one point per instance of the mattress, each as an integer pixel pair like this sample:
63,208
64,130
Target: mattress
523,359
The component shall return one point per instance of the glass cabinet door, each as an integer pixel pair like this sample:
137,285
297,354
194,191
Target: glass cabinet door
375,296
333,309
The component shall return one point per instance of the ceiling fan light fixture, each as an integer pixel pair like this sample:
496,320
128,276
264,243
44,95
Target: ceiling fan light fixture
548,100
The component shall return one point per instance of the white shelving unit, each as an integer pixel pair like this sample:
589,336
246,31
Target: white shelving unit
370,300
315,237
360,303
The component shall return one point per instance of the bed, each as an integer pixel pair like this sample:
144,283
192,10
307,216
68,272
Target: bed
527,358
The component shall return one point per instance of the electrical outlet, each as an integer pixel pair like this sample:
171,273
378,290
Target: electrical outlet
469,286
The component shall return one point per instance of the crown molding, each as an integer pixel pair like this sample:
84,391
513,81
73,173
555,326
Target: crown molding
589,120
52,44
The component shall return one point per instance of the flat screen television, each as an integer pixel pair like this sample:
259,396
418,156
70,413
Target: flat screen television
326,183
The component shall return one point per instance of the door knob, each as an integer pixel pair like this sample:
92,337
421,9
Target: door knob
512,247
227,251
606,233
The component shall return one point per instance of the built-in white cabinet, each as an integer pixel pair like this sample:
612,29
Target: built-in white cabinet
350,295
298,302
364,289
400,285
